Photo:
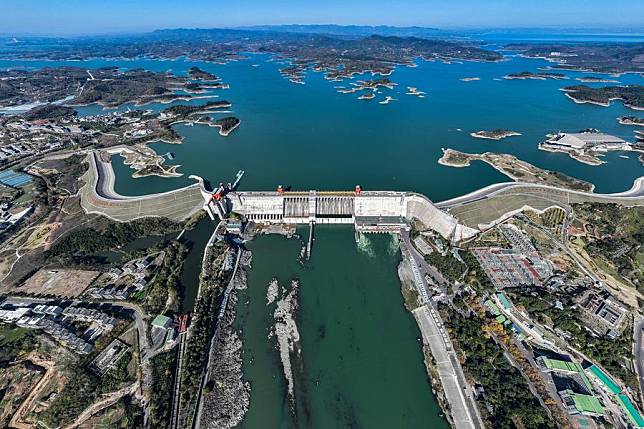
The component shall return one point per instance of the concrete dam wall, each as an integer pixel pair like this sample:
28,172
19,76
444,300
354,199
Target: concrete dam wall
369,211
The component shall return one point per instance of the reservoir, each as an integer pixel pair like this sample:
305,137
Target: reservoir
362,364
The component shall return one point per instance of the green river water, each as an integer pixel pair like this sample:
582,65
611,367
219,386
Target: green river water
362,363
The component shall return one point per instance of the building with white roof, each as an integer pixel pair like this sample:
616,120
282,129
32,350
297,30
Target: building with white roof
581,140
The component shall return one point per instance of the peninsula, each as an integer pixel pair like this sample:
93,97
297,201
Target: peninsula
597,57
631,120
226,125
631,95
515,169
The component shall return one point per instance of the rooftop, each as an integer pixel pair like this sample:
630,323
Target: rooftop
587,403
161,321
579,140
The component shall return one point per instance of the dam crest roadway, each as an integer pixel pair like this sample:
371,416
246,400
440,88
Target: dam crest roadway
369,211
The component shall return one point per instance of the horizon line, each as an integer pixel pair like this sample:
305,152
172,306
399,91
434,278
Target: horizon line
593,29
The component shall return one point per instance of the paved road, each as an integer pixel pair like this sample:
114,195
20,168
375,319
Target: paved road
98,196
176,397
417,260
638,356
636,191
457,391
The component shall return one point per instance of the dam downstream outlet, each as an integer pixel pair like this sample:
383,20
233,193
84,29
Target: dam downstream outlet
361,364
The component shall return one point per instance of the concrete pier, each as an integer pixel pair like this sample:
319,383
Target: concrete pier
309,244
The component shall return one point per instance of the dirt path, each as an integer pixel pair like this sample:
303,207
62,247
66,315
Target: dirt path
106,401
16,420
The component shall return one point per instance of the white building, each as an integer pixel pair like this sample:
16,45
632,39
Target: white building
581,140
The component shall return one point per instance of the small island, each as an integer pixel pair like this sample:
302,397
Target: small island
367,96
411,90
631,120
595,79
536,76
514,168
496,134
362,85
196,73
226,125
631,95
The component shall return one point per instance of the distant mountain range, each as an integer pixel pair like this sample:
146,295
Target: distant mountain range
349,30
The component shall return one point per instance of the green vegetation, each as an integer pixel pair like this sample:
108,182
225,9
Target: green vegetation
49,111
448,265
202,328
618,238
166,281
531,75
80,246
631,95
612,354
163,366
507,393
476,275
227,124
185,110
83,388
14,342
126,87
132,415
196,73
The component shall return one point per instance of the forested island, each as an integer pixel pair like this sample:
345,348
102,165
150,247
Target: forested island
631,95
536,76
198,74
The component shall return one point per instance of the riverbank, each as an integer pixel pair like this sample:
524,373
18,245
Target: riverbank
346,376
411,302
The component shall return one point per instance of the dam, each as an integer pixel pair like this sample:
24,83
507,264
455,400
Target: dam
368,211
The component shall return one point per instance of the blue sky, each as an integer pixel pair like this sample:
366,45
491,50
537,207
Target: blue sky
109,16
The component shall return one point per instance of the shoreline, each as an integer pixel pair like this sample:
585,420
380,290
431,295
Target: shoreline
599,103
429,362
223,132
624,121
583,158
529,173
487,135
